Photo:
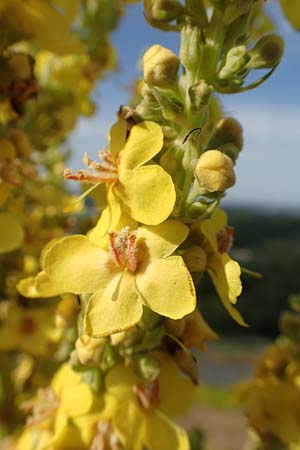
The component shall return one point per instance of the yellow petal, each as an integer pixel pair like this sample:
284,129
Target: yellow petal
49,28
67,435
76,400
65,376
162,433
176,391
163,239
119,381
113,217
144,142
167,287
74,264
11,233
114,309
38,286
117,137
225,275
129,423
212,226
149,193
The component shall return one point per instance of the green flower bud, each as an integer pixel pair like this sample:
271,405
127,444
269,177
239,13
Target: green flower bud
160,66
195,259
172,108
214,171
267,53
236,60
199,94
190,50
162,10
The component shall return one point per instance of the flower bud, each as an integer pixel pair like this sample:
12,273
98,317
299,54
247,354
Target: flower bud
267,53
214,171
89,350
160,66
195,259
229,130
162,10
199,94
236,60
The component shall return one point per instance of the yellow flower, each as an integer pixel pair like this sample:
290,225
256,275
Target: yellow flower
27,329
140,410
216,238
273,410
44,23
63,416
138,269
146,190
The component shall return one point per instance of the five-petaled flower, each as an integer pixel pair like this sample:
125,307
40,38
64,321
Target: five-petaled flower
137,269
146,191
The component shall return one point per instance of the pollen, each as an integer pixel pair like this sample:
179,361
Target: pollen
123,248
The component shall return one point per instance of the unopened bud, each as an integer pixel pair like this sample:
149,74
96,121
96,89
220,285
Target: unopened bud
236,60
214,171
160,66
267,53
199,94
195,259
89,350
20,141
162,10
20,66
229,130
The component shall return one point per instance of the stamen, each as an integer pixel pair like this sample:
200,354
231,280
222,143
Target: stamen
148,394
123,249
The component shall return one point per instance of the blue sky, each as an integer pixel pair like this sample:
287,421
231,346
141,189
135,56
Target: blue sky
268,170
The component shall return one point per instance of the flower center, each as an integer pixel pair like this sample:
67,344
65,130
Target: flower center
105,171
148,394
123,248
42,408
225,239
